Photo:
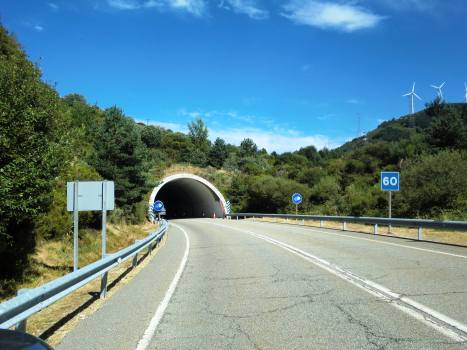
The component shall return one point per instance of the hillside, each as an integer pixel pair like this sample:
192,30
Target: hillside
398,129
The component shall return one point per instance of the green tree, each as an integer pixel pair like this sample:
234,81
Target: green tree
82,114
199,135
269,194
248,148
218,153
449,130
151,136
236,195
34,148
120,156
432,185
311,153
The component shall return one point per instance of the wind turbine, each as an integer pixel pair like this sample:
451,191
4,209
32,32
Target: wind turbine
412,93
440,94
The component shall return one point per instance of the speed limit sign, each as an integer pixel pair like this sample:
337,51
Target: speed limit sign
389,181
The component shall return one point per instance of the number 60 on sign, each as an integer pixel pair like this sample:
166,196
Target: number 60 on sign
390,181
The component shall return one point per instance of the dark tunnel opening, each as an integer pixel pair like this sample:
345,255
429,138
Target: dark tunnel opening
189,198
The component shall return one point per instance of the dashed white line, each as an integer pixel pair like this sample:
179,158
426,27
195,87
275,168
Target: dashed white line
149,332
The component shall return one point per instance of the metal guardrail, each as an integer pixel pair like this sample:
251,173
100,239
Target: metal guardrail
420,224
15,311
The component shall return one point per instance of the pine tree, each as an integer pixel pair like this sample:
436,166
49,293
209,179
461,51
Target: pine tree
120,156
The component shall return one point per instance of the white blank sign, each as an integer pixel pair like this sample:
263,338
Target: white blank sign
90,195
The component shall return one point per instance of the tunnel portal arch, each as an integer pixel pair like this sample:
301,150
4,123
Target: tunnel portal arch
188,196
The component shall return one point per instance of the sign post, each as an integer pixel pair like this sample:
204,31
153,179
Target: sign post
389,182
297,199
158,206
89,196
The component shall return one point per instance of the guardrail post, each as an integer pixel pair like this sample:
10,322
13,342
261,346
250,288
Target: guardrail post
253,218
274,219
245,217
21,326
104,285
303,222
287,220
135,260
321,223
237,217
263,218
376,229
345,226
150,249
420,234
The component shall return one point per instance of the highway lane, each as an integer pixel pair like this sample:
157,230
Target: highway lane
254,285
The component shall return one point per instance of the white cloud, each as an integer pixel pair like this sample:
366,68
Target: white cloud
305,67
195,7
53,6
347,17
271,141
352,101
194,114
172,126
326,116
248,7
124,4
38,28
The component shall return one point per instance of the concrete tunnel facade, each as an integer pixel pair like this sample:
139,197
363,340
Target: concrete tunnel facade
188,196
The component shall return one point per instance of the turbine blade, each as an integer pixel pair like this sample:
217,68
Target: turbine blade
441,94
413,87
407,94
441,85
417,96
434,86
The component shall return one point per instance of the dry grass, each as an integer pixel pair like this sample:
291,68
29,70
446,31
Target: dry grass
440,236
53,261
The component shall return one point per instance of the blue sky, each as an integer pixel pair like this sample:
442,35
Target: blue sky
285,73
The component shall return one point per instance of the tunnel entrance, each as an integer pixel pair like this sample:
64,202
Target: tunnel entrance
188,196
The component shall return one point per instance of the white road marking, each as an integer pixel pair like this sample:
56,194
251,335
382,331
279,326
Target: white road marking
149,332
375,289
313,229
372,240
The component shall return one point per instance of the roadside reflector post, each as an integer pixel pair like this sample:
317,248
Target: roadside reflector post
263,218
376,229
321,223
303,222
345,226
253,218
103,286
420,234
287,220
245,217
274,219
135,261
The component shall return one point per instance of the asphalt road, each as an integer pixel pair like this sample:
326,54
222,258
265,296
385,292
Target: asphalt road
255,285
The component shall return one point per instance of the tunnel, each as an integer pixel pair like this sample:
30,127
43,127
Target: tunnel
188,196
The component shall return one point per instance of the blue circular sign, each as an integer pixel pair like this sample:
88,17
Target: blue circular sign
158,206
296,198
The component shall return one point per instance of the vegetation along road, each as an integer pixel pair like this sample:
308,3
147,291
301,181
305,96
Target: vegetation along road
221,284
